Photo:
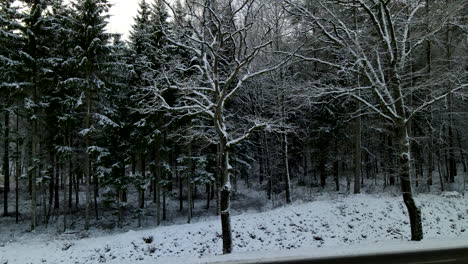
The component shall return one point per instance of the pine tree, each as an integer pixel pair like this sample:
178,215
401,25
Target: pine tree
38,62
10,83
89,19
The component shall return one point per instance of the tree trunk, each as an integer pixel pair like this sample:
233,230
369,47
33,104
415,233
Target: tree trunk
87,163
70,181
181,190
429,73
34,172
286,169
189,184
52,172
452,165
77,189
441,177
336,167
65,204
404,172
95,192
6,163
322,171
57,183
462,154
208,194
18,169
225,198
157,179
143,175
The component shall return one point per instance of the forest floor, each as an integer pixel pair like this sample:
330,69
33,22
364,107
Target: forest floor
328,221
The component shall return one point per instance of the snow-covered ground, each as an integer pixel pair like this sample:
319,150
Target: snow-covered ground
325,223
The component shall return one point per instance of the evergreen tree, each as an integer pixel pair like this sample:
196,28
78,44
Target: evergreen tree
10,83
88,22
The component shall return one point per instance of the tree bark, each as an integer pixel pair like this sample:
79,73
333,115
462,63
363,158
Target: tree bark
286,169
35,172
336,167
6,163
404,172
225,198
189,184
57,182
87,161
18,169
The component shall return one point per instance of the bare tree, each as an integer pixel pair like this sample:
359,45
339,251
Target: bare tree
220,36
380,54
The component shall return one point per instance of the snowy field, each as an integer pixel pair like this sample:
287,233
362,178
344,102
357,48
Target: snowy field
343,221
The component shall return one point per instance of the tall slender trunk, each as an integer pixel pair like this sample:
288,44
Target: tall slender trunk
219,172
322,169
208,194
452,165
429,73
65,204
52,172
6,163
76,182
267,167
35,163
181,190
157,179
336,167
87,161
287,176
286,169
57,183
18,169
189,184
358,125
95,192
70,182
141,190
462,154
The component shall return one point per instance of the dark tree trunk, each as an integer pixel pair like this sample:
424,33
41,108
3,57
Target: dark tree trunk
208,195
226,221
404,172
6,163
336,167
76,177
357,155
57,185
181,189
164,216
18,169
191,168
321,168
462,154
52,174
95,191
157,187
391,164
286,169
225,198
70,183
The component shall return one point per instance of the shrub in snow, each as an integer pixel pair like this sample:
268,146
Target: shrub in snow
148,239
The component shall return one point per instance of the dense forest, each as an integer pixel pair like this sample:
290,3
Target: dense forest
210,98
